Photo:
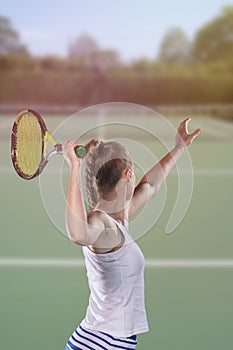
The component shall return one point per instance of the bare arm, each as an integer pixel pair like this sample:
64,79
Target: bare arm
79,229
152,181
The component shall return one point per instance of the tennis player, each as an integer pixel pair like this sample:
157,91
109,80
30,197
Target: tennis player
115,264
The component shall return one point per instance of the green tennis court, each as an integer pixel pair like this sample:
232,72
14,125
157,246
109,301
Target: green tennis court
188,276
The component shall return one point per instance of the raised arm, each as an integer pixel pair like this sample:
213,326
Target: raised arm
152,181
79,229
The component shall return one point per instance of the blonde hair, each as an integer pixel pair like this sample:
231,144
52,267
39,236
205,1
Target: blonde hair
105,162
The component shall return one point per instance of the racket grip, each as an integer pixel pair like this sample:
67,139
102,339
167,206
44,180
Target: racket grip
80,151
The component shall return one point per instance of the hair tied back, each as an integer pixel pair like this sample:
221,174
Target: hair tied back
91,145
100,147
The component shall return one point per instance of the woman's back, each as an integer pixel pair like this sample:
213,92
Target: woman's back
116,281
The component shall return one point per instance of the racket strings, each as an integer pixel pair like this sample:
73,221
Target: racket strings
29,144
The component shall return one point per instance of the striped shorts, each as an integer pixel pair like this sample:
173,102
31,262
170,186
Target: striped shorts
85,339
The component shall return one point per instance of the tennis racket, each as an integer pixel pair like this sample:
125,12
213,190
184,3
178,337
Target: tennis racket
29,141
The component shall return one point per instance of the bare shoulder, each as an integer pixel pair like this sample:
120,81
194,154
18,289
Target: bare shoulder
110,237
96,219
99,219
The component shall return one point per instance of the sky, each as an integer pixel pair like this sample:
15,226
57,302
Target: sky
134,28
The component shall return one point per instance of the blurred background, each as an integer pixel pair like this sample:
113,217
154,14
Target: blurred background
58,57
74,54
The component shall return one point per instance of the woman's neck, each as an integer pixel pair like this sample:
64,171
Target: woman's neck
119,211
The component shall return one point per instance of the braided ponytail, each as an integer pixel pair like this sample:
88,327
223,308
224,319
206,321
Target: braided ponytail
105,163
91,188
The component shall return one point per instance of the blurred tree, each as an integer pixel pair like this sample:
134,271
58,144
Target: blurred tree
82,47
52,62
141,65
214,40
9,39
175,46
86,50
104,59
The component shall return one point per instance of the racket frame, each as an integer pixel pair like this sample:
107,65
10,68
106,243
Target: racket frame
14,144
46,136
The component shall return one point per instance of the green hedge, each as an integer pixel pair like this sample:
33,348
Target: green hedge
89,87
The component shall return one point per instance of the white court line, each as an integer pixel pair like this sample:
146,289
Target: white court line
40,262
150,263
214,132
224,128
189,263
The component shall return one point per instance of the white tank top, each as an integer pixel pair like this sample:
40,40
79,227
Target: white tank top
116,281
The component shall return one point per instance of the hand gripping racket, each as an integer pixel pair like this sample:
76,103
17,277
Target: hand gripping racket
29,141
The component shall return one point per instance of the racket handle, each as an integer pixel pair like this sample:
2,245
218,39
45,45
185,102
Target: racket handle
80,151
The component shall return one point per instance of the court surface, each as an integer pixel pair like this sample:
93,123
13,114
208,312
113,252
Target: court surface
188,275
